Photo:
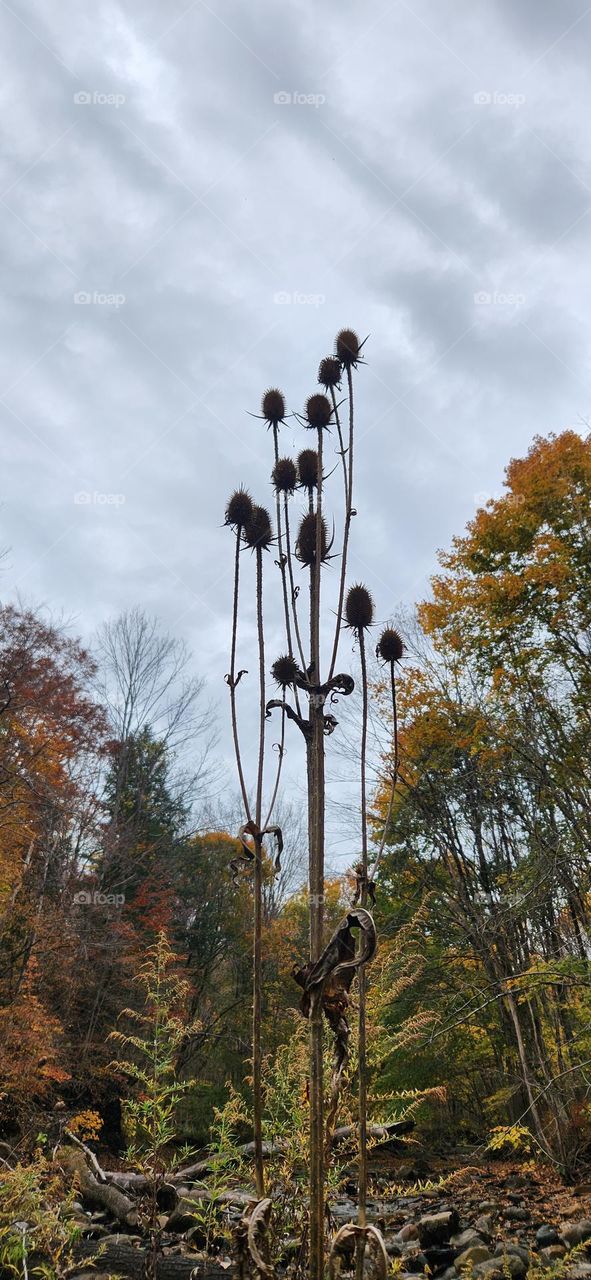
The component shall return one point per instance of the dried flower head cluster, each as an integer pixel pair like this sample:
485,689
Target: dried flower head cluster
307,539
239,509
258,533
273,407
285,671
329,372
390,647
284,475
348,347
308,469
359,608
318,412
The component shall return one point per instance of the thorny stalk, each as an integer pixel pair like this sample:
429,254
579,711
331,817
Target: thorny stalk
362,1050
294,597
348,472
257,1075
316,883
232,682
395,769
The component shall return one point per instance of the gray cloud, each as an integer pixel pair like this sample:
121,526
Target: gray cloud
431,156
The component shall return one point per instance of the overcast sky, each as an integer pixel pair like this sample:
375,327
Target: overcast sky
197,196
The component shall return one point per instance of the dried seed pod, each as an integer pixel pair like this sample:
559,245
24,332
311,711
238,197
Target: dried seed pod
239,508
285,670
284,475
318,412
258,531
390,647
347,347
359,608
308,468
329,372
273,406
306,543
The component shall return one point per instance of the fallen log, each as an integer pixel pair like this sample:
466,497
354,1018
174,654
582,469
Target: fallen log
100,1194
124,1260
380,1134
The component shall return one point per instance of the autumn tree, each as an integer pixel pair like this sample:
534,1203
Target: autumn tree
52,734
492,806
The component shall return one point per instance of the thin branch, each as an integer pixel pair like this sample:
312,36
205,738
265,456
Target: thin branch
232,680
294,597
386,827
281,746
348,518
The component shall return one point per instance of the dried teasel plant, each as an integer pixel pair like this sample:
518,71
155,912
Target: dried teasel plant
307,695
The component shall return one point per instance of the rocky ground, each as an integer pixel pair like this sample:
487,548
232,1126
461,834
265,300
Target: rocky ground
488,1220
480,1221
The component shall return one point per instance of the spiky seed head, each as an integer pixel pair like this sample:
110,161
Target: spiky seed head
284,475
329,372
359,608
258,531
273,406
318,411
390,647
308,468
285,670
239,508
347,347
306,542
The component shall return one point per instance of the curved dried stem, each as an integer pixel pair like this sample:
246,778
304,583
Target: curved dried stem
386,827
258,1225
342,450
348,469
353,1240
281,748
293,592
250,1240
233,680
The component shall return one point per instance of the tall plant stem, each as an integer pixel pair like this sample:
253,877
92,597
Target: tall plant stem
396,767
316,883
258,905
342,450
348,474
362,1212
232,680
292,585
282,558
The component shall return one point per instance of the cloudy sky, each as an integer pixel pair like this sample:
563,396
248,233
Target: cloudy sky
196,196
